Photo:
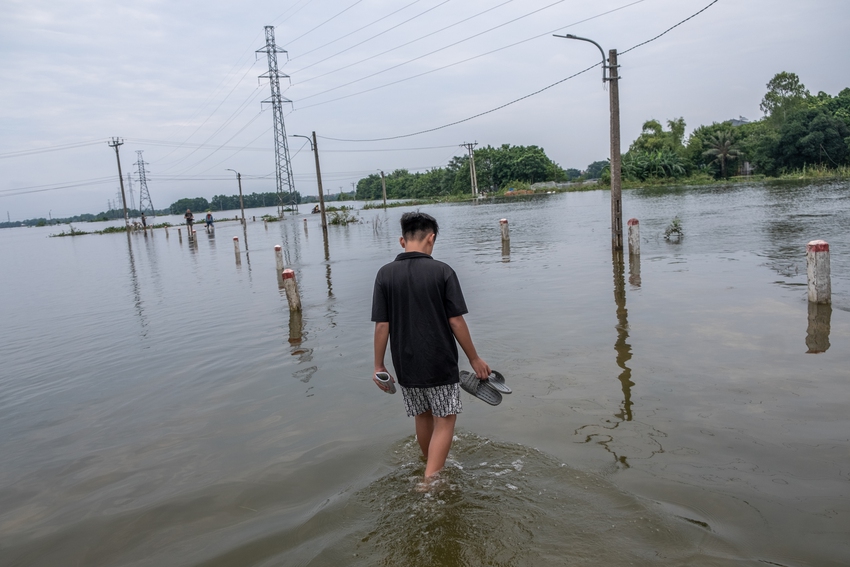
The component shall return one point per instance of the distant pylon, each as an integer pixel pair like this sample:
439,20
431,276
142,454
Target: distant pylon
283,166
145,204
130,191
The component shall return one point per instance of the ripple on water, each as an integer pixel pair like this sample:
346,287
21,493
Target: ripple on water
505,504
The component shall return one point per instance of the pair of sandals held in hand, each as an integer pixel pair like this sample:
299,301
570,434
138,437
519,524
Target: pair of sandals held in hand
490,389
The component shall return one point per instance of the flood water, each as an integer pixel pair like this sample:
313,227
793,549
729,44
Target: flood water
158,408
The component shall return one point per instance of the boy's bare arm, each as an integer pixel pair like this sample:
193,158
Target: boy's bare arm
461,332
382,336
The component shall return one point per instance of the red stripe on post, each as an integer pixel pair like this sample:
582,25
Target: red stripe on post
287,274
633,222
503,221
277,248
817,246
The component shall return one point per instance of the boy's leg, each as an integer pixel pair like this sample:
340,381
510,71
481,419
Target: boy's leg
441,441
424,429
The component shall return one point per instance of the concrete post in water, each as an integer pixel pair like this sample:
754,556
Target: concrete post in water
634,237
236,249
817,269
291,289
166,232
180,236
506,233
278,256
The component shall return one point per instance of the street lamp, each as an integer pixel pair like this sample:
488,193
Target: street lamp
616,169
241,204
315,148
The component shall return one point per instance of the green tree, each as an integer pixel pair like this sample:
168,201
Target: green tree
595,169
721,148
784,93
653,137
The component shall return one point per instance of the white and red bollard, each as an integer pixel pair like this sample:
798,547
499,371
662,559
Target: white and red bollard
278,258
506,231
817,270
291,288
634,236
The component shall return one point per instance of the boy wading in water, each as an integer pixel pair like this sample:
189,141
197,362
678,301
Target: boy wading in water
418,307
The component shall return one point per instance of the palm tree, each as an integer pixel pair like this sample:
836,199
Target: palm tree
720,146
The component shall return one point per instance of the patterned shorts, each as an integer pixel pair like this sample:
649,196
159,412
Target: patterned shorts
441,400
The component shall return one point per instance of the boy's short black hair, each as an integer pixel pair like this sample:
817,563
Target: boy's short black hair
416,225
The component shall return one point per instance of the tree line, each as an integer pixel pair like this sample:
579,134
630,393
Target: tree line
496,169
798,130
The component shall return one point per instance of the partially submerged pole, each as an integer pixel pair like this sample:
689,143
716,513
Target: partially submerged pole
506,232
236,249
180,235
278,257
634,237
291,288
817,270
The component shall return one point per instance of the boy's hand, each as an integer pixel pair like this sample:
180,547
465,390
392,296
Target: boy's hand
482,369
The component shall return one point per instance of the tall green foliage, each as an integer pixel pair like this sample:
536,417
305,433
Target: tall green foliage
495,167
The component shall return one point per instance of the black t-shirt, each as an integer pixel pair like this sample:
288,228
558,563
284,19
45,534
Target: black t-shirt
417,295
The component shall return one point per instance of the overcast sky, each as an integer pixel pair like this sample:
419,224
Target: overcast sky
180,81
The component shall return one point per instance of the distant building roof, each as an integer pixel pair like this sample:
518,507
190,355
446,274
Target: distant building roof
740,121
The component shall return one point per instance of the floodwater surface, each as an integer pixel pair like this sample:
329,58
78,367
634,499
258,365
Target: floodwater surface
160,406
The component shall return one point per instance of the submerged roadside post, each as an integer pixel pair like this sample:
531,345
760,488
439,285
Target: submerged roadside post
506,232
290,286
817,270
236,249
278,258
634,236
180,235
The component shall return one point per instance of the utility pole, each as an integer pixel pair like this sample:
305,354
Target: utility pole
115,143
145,203
473,177
384,188
613,77
314,145
283,166
241,204
616,162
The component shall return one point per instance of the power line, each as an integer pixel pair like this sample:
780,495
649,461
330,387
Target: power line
323,23
522,97
60,147
355,31
430,52
470,58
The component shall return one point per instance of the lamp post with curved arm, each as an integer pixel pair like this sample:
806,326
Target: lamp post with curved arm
315,147
239,180
613,79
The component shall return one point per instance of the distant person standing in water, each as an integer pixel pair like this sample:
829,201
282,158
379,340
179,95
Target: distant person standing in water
418,307
209,220
144,221
190,218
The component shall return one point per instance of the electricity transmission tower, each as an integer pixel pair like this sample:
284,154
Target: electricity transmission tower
470,147
145,203
283,166
130,191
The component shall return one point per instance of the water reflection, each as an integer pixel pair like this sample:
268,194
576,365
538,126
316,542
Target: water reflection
623,349
134,281
328,264
817,335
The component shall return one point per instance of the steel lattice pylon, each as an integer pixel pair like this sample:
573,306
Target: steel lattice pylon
283,166
145,204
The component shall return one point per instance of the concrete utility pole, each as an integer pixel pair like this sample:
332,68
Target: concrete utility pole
613,78
114,144
314,145
239,181
384,188
473,176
